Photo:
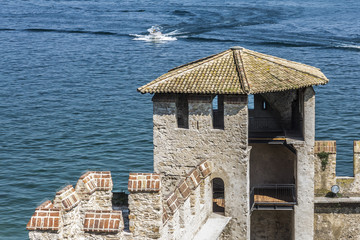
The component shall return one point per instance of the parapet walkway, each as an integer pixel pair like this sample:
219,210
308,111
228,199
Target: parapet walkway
213,227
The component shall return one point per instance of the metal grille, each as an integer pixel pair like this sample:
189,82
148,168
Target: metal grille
273,195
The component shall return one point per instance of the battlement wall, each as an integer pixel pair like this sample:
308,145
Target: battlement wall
325,170
83,212
86,211
178,215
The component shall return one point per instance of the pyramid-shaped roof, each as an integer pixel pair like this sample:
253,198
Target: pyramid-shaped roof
236,71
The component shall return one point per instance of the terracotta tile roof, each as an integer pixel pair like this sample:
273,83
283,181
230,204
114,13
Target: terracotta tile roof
46,217
236,71
68,198
139,182
97,181
103,221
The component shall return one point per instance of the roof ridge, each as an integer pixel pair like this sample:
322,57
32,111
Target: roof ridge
240,69
217,55
171,72
282,59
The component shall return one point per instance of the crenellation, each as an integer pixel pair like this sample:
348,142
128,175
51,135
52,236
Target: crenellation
326,177
67,198
325,146
68,215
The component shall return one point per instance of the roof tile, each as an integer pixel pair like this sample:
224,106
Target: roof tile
236,71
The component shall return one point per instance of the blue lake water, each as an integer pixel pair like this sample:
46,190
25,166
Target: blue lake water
69,71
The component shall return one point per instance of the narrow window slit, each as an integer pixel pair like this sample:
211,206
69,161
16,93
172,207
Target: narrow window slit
218,112
182,111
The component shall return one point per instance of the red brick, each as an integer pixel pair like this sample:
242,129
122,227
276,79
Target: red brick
106,224
144,182
325,146
172,202
106,221
56,222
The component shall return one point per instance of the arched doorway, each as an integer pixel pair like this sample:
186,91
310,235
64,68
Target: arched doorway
218,195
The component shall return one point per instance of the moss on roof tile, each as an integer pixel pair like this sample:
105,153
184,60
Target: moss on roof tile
236,71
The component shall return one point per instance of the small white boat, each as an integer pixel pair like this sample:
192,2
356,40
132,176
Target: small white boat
155,35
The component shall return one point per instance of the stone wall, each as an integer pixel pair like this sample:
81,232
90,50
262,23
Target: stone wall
271,225
81,213
145,205
304,177
86,211
283,103
337,221
265,160
326,177
177,150
336,218
179,215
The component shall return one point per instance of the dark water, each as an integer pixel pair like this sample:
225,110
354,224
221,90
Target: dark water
69,72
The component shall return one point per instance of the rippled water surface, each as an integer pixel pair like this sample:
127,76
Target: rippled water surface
69,72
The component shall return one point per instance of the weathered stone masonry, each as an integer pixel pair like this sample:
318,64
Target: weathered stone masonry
179,214
81,213
336,218
227,149
86,211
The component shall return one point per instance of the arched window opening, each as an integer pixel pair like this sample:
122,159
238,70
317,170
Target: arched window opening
218,196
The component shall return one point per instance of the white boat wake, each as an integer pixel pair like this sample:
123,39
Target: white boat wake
155,35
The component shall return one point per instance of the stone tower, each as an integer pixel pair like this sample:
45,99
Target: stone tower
252,116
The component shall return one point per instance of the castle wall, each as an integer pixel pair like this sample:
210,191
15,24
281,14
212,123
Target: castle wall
271,225
265,160
304,210
145,215
336,218
177,216
145,205
177,150
325,177
337,221
81,213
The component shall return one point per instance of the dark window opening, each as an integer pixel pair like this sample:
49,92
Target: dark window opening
182,112
218,112
218,195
